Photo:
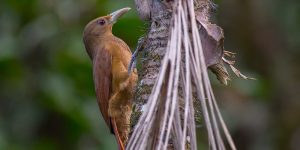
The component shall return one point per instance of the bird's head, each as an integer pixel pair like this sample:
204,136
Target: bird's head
103,25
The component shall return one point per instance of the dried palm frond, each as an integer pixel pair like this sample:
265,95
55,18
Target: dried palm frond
161,122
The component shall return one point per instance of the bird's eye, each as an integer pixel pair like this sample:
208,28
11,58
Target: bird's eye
101,22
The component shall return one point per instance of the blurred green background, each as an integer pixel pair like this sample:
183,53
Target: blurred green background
47,100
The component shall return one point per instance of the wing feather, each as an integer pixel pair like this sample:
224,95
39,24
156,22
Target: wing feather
103,81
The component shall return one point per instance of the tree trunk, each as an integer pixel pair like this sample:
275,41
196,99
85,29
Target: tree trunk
152,53
158,13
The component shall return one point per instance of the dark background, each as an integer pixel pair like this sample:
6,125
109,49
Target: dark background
47,100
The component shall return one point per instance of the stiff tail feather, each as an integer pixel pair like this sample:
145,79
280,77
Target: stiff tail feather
117,135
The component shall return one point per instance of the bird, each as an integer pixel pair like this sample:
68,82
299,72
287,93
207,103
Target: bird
114,87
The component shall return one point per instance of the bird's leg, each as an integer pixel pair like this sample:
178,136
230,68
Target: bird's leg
120,74
124,79
132,63
140,46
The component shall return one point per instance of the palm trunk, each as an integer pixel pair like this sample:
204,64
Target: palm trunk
158,13
152,54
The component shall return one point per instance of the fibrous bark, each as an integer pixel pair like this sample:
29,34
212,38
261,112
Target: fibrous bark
159,14
155,44
174,76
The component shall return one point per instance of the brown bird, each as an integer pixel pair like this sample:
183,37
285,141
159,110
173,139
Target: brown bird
114,86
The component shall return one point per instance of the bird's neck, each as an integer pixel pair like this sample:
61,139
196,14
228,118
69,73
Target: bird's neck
95,41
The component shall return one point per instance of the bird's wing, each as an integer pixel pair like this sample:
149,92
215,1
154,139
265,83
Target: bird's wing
103,81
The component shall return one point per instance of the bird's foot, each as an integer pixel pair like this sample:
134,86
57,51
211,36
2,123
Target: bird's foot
132,64
140,46
124,85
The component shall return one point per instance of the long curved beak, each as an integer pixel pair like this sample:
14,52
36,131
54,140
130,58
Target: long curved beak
117,14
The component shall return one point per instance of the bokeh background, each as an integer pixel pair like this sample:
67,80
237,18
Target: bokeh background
47,100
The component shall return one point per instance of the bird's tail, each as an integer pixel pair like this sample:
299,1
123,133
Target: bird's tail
117,135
